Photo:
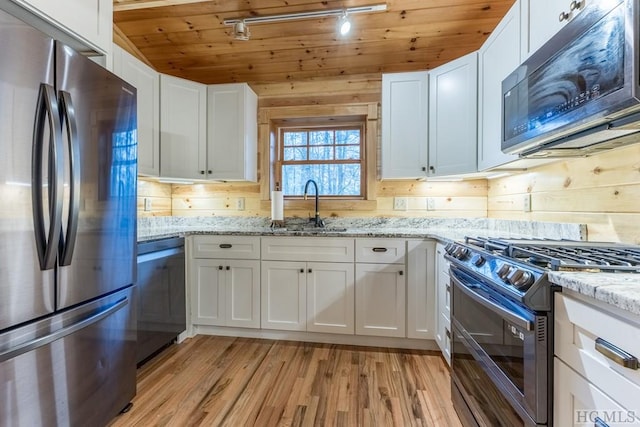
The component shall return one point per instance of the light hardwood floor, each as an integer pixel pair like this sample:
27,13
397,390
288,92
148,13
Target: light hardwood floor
224,381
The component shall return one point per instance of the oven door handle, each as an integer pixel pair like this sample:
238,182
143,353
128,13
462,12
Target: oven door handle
496,308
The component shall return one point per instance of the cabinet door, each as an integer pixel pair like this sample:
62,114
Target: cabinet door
208,293
421,302
284,295
183,128
330,297
497,58
90,21
577,402
147,82
544,20
242,293
404,125
380,300
232,132
453,117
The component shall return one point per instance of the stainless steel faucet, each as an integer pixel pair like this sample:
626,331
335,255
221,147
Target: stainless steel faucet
316,220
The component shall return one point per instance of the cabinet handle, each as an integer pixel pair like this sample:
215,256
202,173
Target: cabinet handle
401,273
564,16
448,288
219,267
310,271
228,268
201,172
447,333
379,249
432,168
226,245
302,270
209,172
616,354
599,423
576,5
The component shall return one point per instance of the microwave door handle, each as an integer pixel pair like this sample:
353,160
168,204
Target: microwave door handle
68,242
496,308
47,112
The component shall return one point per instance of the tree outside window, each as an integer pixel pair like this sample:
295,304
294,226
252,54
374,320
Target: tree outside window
330,155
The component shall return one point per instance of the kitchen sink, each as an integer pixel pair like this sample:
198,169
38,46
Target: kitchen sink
309,230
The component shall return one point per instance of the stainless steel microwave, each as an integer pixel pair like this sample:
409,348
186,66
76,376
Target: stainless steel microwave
579,93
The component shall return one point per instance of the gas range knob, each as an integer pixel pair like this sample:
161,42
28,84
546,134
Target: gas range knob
503,272
449,248
478,260
461,253
520,279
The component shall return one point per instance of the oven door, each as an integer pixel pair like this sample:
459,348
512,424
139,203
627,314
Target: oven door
498,366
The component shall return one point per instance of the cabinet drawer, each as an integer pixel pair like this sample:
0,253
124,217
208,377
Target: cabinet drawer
577,327
226,247
383,251
322,249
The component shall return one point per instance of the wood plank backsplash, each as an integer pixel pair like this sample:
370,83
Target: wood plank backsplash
602,191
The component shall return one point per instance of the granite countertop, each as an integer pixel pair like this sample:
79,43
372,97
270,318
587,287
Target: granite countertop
620,290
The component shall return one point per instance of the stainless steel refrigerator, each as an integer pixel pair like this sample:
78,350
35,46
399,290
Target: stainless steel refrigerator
68,159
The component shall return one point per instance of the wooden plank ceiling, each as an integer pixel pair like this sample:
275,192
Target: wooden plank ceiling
187,38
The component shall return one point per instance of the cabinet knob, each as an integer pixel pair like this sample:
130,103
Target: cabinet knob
432,168
201,172
209,172
310,271
576,5
219,267
302,270
401,273
228,268
564,16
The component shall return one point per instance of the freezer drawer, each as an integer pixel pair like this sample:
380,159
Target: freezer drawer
75,368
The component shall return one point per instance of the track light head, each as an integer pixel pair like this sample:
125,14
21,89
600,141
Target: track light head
241,31
344,24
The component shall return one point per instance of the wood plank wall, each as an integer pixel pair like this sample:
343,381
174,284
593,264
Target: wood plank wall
602,191
159,195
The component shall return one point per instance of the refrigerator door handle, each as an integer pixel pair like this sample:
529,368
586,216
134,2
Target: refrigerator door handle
68,242
94,317
47,112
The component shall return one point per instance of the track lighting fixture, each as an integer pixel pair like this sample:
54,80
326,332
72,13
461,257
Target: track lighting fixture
241,31
344,24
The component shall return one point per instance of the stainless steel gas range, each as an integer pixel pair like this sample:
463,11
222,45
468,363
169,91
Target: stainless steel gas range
502,322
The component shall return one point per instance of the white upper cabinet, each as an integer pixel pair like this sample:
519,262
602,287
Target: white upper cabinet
232,134
88,21
453,117
147,82
404,125
497,58
546,18
183,128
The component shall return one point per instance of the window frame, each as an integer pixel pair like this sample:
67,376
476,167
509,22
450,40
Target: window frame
314,125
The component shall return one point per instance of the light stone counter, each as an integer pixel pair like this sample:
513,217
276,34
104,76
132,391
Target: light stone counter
620,290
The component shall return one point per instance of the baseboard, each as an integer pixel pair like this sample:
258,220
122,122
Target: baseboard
358,340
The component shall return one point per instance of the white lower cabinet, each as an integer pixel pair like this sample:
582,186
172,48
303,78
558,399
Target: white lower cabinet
591,380
421,304
443,304
311,296
330,297
284,295
380,299
226,293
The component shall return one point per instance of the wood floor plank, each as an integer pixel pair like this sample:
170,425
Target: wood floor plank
226,381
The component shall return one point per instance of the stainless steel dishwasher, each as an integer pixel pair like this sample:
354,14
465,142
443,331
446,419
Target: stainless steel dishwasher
161,295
